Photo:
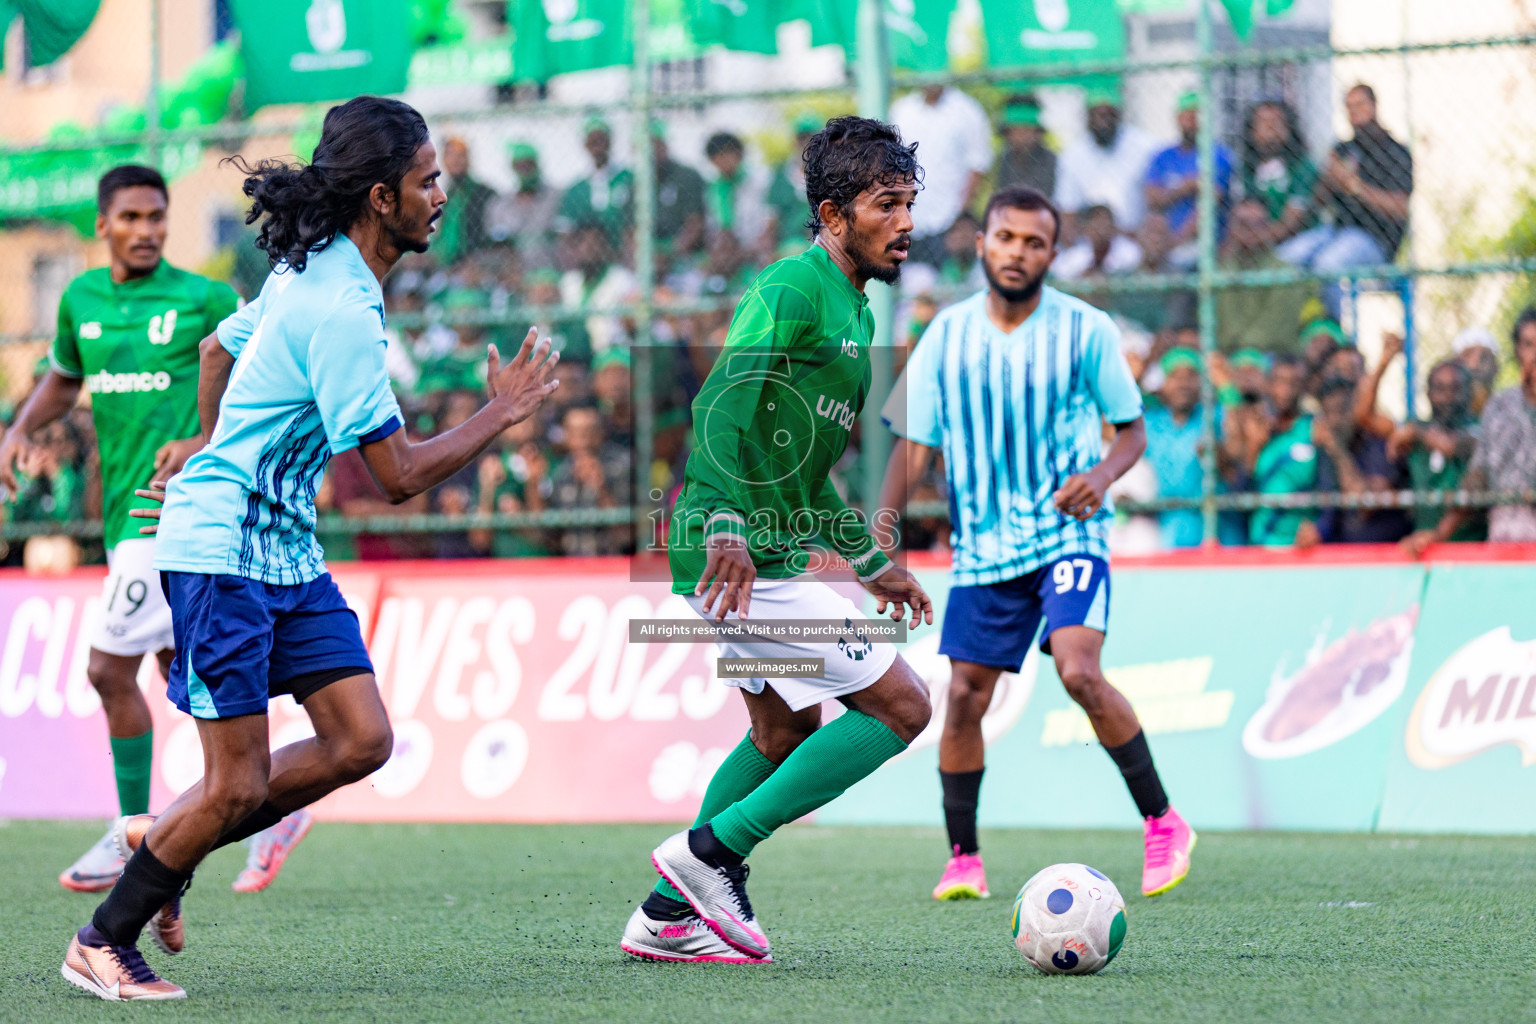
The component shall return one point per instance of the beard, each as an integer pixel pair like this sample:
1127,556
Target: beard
866,265
1024,293
404,241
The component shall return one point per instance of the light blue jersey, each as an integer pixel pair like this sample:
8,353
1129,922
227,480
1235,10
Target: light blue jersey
308,382
1015,415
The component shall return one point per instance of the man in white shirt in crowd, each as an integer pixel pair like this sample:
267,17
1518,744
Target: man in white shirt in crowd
1100,250
1105,167
952,130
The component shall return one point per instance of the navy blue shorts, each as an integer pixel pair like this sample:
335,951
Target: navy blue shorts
994,623
241,641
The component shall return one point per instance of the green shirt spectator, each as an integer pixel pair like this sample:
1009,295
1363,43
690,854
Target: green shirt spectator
603,197
679,200
461,368
1287,461
1276,170
1287,465
463,228
786,192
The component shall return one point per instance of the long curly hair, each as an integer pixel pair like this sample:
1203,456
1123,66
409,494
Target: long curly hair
365,141
851,155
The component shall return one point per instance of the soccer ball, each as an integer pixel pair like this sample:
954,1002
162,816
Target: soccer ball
1069,919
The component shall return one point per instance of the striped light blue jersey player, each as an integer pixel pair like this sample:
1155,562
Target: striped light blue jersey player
1015,414
308,382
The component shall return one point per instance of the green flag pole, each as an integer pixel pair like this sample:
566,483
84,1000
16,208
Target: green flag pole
873,76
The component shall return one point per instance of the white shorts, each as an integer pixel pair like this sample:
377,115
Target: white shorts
132,617
851,665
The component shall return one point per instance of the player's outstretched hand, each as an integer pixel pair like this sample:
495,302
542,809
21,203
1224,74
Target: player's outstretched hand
1080,496
153,494
899,588
728,573
524,383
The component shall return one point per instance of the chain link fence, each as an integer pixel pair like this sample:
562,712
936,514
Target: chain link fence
1270,223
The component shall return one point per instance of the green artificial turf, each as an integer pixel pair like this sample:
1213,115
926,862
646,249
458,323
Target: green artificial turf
505,923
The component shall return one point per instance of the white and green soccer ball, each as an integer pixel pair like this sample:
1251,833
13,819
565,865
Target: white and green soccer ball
1069,919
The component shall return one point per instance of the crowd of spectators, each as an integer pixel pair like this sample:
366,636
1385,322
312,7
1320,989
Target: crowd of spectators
1296,411
1289,423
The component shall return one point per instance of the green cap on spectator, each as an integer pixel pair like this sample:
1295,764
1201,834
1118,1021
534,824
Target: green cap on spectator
658,128
1102,96
1327,327
1251,357
615,356
595,124
517,150
1175,358
1022,113
1189,101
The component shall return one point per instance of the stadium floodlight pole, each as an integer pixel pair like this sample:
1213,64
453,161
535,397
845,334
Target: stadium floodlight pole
1206,225
642,379
872,74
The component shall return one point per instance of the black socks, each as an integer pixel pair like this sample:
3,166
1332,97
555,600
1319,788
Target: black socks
710,850
961,792
145,886
664,908
259,820
1135,762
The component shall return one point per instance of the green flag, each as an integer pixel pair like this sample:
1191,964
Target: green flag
750,25
306,51
53,26
917,31
1024,32
556,36
1240,13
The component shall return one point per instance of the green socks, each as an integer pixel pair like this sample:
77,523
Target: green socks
131,758
742,771
833,758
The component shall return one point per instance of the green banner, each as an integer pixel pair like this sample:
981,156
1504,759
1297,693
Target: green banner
306,51
1348,698
553,37
476,62
61,184
1021,33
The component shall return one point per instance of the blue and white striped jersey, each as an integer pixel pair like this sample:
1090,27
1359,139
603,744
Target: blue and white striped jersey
308,382
1015,415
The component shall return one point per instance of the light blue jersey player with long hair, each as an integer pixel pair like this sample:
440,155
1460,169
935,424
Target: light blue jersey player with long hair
294,378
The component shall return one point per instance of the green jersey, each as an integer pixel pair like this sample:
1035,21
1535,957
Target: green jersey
1287,465
772,419
135,347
